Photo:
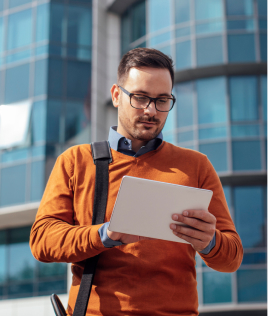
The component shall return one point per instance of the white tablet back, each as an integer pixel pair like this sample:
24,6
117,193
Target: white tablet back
144,207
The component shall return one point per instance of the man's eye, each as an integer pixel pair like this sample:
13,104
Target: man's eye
139,98
162,100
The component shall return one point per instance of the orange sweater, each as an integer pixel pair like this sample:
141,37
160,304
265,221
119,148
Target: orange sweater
150,277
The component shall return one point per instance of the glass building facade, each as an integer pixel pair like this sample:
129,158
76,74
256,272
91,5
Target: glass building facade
218,47
45,73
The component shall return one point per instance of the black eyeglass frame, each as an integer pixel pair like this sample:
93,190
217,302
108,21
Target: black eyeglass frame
151,99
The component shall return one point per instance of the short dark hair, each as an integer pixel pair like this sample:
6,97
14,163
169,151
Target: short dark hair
143,57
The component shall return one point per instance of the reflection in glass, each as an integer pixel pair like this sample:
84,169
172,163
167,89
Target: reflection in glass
55,75
79,25
227,193
182,11
255,258
185,136
20,290
15,88
184,93
211,98
263,24
54,108
246,155
15,3
209,50
24,54
42,22
159,14
241,47
39,121
239,7
208,9
249,204
41,50
19,29
83,54
211,27
13,179
160,38
165,49
183,31
15,155
262,7
213,132
241,25
57,287
264,97
217,287
51,269
263,46
138,20
40,77
183,55
243,98
57,25
37,180
245,130
217,154
252,285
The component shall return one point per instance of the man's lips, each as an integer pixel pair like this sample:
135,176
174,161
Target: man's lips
146,123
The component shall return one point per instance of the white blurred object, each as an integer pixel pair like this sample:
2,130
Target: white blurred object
14,124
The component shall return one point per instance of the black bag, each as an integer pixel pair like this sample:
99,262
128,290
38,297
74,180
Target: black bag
102,157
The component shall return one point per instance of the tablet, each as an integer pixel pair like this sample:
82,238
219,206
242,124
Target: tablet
144,207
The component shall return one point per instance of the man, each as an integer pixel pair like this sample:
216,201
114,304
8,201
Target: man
136,276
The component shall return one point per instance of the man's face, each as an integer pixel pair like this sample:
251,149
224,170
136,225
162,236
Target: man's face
142,125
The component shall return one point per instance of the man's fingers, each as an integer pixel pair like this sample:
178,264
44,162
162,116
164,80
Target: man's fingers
198,245
196,223
191,233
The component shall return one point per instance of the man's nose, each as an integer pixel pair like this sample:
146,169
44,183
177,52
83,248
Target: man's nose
151,109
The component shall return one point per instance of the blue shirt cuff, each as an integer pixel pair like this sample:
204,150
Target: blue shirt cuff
211,245
107,242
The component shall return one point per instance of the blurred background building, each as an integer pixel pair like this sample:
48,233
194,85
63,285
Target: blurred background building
58,60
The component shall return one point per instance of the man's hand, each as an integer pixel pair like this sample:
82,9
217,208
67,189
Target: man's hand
125,238
204,226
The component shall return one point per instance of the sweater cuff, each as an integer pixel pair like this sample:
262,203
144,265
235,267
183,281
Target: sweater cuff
107,242
210,246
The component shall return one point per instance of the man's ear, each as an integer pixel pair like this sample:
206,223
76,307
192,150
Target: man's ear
115,94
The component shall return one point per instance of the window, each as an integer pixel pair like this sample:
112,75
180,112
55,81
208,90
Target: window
57,25
243,98
37,180
182,11
245,130
15,3
241,25
209,50
16,88
217,154
40,77
211,98
263,46
1,36
213,132
19,29
239,7
185,103
54,110
159,14
160,38
241,47
38,121
183,55
211,27
264,96
42,23
246,155
262,7
55,75
208,9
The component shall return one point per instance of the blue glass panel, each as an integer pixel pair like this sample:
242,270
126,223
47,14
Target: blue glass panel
243,98
37,180
19,29
255,258
183,55
20,290
15,155
249,216
166,50
211,97
3,262
78,79
41,50
241,25
213,132
51,269
160,38
211,27
55,77
40,77
1,35
169,127
245,130
57,287
185,136
42,23
57,26
183,31
264,97
125,32
56,50
13,185
54,109
217,154
252,285
38,151
209,50
263,24
246,155
208,9
239,7
185,103
17,83
262,7
227,193
79,53
182,11
38,121
138,20
15,3
217,287
79,25
1,5
263,46
21,55
159,14
241,47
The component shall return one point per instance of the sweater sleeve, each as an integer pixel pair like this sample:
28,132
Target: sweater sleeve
54,237
227,254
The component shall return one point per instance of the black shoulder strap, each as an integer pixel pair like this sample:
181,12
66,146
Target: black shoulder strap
102,157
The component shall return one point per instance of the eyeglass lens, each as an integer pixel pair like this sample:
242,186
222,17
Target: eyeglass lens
141,102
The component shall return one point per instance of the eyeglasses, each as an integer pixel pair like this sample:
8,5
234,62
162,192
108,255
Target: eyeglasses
140,101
